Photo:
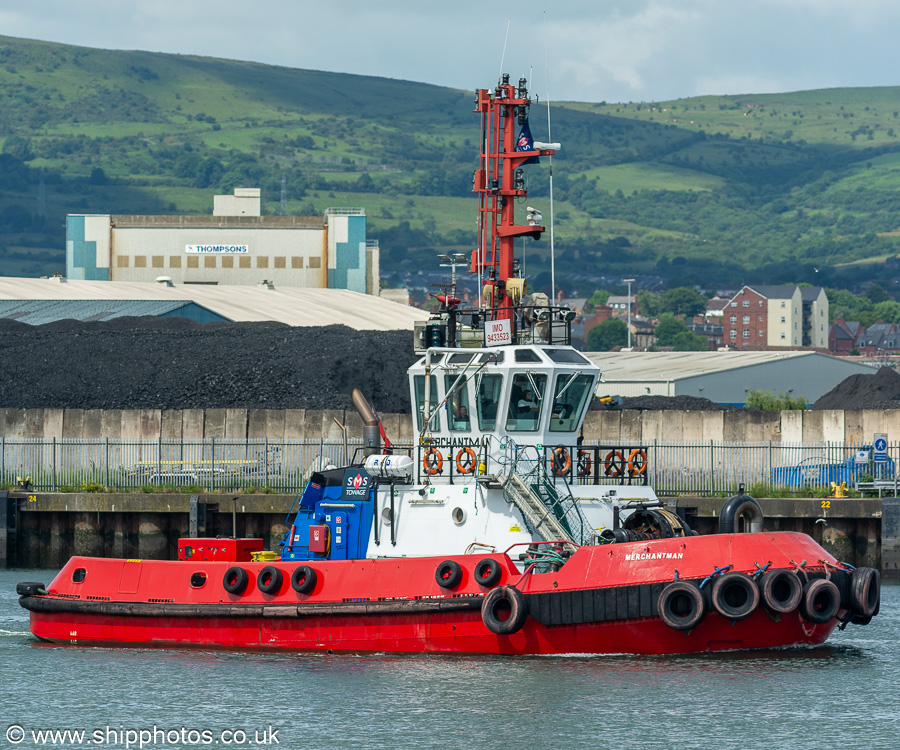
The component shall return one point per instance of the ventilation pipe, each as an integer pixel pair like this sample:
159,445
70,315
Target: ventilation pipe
371,425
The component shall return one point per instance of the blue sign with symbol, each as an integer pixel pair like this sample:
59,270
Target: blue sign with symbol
880,453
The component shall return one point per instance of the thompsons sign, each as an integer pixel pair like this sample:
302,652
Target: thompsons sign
216,249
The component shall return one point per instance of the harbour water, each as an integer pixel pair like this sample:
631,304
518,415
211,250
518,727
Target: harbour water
842,694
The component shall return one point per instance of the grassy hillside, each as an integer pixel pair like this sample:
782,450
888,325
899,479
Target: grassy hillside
704,190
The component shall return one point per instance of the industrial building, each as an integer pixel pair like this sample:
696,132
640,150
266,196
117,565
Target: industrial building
725,377
98,300
234,246
40,311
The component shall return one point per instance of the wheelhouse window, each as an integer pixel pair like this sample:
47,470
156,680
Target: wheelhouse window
488,389
526,401
419,385
457,403
527,355
569,397
567,356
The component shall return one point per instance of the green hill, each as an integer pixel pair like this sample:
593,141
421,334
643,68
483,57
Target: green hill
704,190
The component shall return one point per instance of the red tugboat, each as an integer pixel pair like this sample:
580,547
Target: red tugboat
499,532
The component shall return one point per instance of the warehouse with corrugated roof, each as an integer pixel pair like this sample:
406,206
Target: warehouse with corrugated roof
289,305
725,377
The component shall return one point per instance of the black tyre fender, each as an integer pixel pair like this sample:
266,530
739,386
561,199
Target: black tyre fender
781,590
303,579
235,580
734,595
865,591
681,605
820,602
504,610
269,579
448,574
29,588
488,572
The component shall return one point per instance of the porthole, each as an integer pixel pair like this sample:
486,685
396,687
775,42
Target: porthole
386,515
198,580
78,575
458,515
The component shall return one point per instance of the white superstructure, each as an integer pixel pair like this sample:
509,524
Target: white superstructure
497,460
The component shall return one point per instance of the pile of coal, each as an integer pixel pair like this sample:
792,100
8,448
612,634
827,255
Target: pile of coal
175,363
880,390
665,403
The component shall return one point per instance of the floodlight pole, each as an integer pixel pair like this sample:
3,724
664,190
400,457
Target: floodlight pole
628,281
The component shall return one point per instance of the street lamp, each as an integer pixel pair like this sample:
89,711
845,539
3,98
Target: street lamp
629,282
452,260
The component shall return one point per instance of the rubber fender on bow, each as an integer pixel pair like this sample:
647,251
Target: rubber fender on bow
269,579
734,595
303,579
235,580
504,610
820,601
865,591
448,574
29,588
738,509
681,605
781,590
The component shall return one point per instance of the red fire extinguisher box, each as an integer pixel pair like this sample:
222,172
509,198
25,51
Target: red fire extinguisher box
231,550
318,539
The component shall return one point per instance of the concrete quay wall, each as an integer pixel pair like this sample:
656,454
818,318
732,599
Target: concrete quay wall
52,527
48,528
175,424
621,426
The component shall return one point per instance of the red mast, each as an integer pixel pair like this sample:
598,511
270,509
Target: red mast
499,181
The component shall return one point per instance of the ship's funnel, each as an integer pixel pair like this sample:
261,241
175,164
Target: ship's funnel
371,428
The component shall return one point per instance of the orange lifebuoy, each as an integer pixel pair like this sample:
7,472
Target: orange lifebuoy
614,464
469,466
432,461
561,462
637,462
584,463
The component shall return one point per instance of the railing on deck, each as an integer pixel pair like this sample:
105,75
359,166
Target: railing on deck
671,468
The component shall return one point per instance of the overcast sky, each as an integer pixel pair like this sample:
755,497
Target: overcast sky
613,50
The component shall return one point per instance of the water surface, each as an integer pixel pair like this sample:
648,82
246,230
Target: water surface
842,694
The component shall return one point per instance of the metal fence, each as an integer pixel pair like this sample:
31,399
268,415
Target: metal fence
713,467
92,464
700,467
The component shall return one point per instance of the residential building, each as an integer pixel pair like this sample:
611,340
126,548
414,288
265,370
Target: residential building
715,307
642,334
763,316
843,335
879,339
619,304
712,331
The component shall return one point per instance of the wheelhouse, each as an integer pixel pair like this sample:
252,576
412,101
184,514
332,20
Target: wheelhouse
533,394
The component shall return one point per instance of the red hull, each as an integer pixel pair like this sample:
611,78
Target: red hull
348,588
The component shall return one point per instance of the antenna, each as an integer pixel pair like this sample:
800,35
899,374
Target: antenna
550,138
503,56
